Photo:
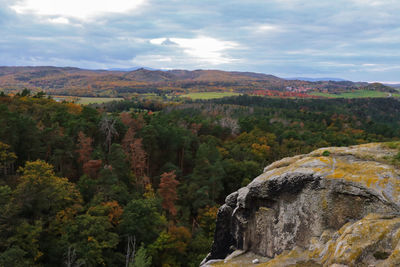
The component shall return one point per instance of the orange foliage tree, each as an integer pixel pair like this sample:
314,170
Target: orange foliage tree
136,155
167,191
114,212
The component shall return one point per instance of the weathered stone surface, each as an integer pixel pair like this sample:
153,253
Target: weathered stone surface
223,238
231,199
314,210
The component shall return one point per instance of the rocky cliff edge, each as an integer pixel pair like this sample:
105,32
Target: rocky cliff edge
337,206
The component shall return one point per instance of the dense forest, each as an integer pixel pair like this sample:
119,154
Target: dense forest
138,183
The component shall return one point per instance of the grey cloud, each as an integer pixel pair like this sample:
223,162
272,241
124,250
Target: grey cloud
287,38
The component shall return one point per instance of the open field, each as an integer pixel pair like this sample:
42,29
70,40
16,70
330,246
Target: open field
357,94
209,95
97,100
86,100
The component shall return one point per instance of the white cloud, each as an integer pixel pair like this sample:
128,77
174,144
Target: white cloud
206,49
269,28
79,9
383,68
158,41
344,38
392,82
371,2
59,20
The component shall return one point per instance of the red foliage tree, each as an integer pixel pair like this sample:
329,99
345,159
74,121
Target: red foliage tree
128,140
92,167
136,155
84,147
134,123
167,191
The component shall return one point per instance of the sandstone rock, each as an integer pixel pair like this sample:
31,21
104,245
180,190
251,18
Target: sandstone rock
234,254
314,210
232,199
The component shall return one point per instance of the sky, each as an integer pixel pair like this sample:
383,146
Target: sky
357,40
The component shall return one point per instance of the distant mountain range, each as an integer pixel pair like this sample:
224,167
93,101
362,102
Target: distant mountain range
197,75
130,69
123,82
393,85
317,79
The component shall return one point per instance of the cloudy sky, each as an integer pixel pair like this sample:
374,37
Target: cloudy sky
352,39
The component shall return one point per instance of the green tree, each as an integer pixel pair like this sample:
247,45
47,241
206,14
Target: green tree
141,258
170,247
7,158
41,194
34,205
119,165
205,184
93,237
142,220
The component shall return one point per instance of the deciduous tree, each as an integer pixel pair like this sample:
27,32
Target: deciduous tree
167,191
84,147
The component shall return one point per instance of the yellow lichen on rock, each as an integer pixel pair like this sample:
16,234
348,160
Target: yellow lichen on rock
282,163
375,235
336,206
357,238
375,238
364,165
367,173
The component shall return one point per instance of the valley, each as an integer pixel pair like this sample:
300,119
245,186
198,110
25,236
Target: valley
198,84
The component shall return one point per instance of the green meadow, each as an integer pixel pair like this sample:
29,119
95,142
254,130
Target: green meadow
87,100
357,94
209,95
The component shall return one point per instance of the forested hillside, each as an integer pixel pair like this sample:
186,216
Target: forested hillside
81,82
139,182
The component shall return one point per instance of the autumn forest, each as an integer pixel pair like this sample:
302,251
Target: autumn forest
139,182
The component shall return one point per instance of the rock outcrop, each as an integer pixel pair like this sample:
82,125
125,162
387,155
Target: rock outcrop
332,207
